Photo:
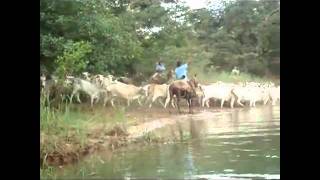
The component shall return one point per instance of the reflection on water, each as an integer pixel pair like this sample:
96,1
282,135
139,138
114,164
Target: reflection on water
239,144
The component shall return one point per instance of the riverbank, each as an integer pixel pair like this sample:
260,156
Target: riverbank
71,132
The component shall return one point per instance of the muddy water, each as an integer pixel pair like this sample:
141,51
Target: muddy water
232,144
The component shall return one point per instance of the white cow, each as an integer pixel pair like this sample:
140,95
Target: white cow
104,81
251,93
87,87
47,84
274,95
156,91
217,91
86,76
146,89
125,91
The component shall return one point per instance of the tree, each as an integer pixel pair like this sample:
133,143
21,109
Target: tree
125,36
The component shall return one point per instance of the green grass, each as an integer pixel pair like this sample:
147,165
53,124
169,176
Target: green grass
58,124
71,124
227,77
213,76
48,173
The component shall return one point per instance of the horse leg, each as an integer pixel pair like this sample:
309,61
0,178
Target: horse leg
190,104
178,100
174,101
188,101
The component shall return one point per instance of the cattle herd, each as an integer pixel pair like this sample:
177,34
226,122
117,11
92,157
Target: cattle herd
110,89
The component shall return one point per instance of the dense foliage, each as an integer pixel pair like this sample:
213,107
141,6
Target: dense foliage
129,36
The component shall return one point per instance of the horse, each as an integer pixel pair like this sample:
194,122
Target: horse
158,79
182,88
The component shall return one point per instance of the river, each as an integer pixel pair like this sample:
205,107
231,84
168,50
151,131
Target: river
242,143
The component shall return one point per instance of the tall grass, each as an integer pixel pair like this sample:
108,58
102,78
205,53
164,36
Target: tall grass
48,173
68,124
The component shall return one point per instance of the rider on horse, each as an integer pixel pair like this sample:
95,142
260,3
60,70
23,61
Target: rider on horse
160,68
182,70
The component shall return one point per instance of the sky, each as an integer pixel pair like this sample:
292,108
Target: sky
196,4
193,4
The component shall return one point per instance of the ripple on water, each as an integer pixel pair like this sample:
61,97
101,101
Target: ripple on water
228,170
160,170
246,150
274,156
237,143
243,135
238,176
226,152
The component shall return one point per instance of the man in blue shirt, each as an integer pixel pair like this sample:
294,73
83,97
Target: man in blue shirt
182,70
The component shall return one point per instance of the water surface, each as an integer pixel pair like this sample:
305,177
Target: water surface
237,144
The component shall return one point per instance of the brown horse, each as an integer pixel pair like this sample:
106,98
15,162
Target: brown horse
182,88
158,79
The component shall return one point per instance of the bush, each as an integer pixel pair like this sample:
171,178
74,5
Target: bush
73,59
